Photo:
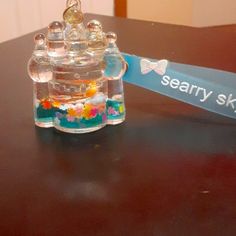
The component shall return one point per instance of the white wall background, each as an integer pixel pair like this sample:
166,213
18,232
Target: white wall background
214,12
167,11
19,17
186,12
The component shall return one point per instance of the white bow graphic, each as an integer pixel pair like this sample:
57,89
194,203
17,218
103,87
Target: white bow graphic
159,66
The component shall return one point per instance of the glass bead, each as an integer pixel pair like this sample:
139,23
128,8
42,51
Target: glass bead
111,37
94,26
55,27
40,40
73,15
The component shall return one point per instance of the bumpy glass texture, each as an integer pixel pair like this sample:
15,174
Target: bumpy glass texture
78,96
75,33
75,39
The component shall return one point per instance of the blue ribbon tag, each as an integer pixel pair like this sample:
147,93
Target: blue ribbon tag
210,89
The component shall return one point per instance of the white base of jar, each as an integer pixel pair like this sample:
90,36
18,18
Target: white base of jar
79,131
44,124
116,121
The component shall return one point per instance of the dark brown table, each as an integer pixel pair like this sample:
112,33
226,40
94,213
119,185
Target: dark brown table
170,169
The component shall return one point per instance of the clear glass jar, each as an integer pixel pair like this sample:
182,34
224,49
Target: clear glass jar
78,92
